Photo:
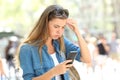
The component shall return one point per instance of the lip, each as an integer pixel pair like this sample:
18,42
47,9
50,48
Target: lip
57,35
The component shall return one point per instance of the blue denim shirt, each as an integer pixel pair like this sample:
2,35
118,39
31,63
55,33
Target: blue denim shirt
30,59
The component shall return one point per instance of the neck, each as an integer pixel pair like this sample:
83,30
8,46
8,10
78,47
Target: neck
50,46
49,42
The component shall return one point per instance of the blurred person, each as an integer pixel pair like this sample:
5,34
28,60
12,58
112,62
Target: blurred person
103,46
9,53
118,48
113,43
10,49
42,55
92,41
1,68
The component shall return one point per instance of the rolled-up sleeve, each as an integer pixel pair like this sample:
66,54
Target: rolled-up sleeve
70,46
26,62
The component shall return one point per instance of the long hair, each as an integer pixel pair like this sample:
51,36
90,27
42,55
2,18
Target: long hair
40,33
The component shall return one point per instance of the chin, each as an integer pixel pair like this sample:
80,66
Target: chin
56,38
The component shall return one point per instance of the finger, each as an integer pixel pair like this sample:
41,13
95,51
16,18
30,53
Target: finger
67,61
69,65
71,25
68,20
71,21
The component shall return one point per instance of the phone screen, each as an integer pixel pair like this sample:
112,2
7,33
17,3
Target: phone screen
71,56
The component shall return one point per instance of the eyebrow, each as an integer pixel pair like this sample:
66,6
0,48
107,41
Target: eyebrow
59,25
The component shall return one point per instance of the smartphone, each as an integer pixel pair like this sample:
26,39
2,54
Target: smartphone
71,56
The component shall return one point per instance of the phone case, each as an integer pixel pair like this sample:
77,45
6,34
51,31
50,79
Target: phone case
71,56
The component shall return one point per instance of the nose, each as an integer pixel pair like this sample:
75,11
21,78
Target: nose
60,30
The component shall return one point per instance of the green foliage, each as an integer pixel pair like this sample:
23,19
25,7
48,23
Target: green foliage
20,15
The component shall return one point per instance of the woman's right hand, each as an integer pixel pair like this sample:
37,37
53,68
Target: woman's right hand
57,70
62,67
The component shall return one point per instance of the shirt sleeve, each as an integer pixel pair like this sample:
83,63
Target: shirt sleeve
70,46
26,62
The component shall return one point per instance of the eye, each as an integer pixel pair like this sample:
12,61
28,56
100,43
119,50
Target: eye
63,27
56,26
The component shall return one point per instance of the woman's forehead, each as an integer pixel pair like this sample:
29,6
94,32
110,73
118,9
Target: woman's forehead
58,21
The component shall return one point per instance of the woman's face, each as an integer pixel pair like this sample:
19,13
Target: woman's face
56,27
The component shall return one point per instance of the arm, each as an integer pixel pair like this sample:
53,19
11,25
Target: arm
46,76
85,55
1,68
27,64
57,70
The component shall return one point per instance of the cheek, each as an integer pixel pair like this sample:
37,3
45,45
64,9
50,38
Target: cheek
52,32
62,32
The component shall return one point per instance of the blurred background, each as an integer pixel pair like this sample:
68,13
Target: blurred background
98,21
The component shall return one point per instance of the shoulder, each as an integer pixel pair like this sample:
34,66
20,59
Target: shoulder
67,41
27,49
27,46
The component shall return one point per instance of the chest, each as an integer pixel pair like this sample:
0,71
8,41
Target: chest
45,62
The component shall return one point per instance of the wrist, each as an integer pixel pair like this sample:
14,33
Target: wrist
53,72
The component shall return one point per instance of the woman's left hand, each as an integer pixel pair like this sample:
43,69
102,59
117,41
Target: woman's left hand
72,24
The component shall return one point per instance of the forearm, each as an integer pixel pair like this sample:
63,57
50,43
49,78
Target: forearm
46,76
1,68
57,70
85,54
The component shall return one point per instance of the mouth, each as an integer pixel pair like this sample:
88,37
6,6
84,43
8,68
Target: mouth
57,35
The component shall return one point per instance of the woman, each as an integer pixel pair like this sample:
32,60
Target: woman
42,55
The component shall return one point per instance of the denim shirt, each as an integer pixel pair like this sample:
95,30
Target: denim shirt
33,67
